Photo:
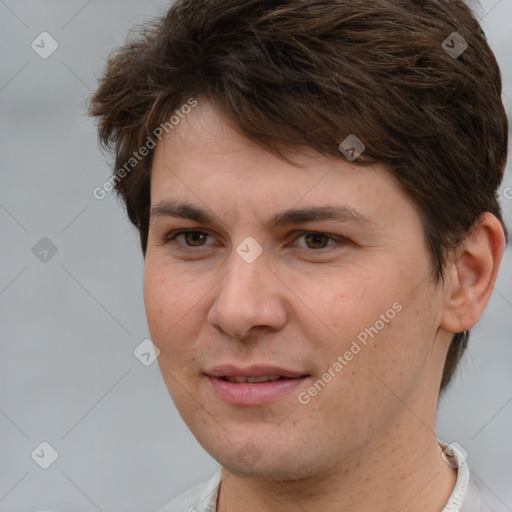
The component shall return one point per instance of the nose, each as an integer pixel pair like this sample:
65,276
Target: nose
249,298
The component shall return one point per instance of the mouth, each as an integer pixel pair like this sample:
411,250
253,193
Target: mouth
254,380
255,385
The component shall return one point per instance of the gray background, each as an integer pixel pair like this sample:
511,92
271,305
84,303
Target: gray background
69,325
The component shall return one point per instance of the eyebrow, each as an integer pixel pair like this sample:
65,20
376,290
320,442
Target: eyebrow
304,215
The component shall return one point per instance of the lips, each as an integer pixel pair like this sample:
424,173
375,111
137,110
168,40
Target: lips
261,370
253,385
252,380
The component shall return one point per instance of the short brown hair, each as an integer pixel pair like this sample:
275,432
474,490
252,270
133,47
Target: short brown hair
295,73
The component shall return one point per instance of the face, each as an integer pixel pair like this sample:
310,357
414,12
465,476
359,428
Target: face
314,274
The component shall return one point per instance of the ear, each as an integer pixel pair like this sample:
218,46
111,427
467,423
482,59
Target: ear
472,273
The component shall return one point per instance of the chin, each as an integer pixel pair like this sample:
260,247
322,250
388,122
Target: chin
261,457
271,470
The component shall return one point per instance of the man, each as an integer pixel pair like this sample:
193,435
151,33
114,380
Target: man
314,183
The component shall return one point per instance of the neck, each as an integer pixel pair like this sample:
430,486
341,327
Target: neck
400,470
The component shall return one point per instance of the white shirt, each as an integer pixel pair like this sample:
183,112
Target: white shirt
467,495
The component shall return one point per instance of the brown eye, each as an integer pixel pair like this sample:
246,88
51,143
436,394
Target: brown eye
195,238
188,238
316,240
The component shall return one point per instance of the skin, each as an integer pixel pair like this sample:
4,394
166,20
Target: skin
300,305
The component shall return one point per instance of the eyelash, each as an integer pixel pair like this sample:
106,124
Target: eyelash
170,239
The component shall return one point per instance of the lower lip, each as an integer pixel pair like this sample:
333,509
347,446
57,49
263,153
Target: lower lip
254,394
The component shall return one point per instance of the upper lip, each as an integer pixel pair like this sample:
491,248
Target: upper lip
257,370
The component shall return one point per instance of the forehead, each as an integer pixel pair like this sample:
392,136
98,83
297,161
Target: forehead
206,162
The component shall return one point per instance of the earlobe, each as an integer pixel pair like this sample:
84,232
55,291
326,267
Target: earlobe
472,274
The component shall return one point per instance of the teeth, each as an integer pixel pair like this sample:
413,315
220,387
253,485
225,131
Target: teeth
252,380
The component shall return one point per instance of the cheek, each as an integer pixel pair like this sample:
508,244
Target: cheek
175,311
169,307
369,317
342,304
159,301
165,297
168,303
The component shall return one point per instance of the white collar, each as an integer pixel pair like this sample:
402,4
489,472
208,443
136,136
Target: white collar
203,497
457,460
